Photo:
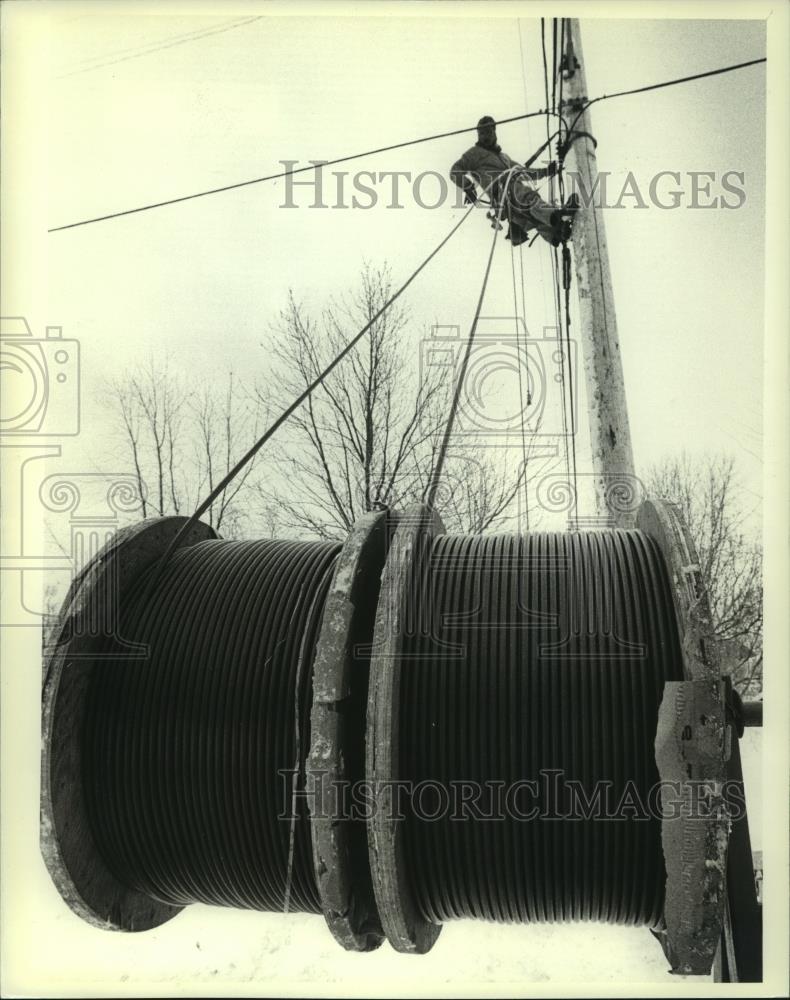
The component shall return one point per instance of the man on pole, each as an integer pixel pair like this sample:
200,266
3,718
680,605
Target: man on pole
487,165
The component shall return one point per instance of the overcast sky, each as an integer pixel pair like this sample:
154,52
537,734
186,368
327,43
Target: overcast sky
130,111
140,110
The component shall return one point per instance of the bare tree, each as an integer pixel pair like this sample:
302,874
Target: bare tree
708,495
151,404
225,423
369,435
180,443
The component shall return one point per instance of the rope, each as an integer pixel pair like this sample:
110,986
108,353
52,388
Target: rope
387,149
299,754
548,652
429,494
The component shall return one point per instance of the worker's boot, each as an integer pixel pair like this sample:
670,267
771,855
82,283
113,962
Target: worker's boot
516,234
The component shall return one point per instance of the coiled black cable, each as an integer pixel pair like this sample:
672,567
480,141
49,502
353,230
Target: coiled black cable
189,755
545,662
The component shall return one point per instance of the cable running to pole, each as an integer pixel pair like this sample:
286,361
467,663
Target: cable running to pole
522,402
522,331
429,496
663,84
399,145
526,371
553,254
270,431
288,173
553,62
566,281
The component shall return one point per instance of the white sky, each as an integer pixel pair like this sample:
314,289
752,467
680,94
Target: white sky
204,279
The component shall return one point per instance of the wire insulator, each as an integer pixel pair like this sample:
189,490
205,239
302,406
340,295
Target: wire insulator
189,755
547,656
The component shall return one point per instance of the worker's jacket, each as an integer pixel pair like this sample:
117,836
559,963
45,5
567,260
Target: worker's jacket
486,166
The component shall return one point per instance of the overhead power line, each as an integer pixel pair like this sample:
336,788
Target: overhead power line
289,173
666,83
681,79
399,145
137,51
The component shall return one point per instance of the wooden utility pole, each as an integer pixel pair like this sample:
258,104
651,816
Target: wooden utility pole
612,457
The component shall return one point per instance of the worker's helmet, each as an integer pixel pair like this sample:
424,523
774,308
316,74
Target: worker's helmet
486,120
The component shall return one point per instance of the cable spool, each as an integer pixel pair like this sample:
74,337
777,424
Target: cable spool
492,659
177,729
512,657
187,751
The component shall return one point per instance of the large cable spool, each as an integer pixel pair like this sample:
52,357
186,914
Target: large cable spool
512,658
187,750
177,722
198,714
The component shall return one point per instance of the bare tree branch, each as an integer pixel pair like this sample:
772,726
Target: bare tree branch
369,435
707,493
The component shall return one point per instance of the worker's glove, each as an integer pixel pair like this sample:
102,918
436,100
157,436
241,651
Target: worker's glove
470,196
551,170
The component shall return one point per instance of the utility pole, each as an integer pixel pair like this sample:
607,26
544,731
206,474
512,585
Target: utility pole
612,457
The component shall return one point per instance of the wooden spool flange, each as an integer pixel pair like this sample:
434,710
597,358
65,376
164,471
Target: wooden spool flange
337,740
693,740
406,929
86,620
